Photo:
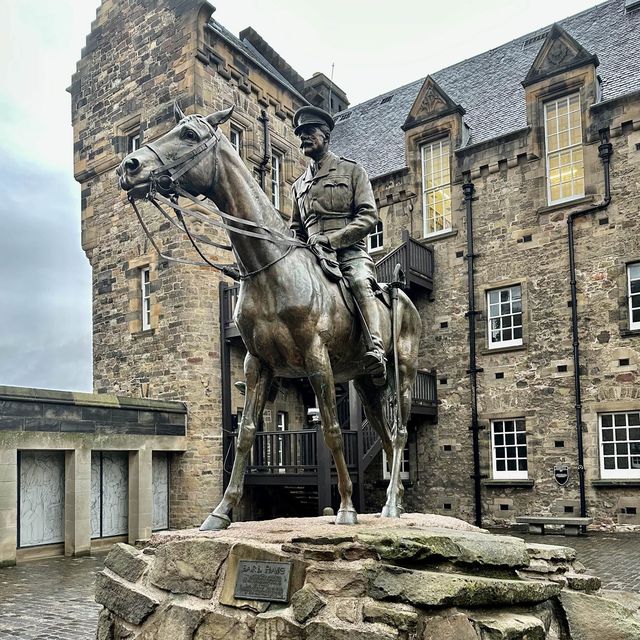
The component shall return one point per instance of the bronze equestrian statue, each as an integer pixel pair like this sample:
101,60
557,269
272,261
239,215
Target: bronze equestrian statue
293,319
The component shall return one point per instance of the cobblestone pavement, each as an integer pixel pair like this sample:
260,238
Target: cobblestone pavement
50,599
614,558
53,599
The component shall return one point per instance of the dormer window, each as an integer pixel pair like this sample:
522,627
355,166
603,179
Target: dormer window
436,187
563,145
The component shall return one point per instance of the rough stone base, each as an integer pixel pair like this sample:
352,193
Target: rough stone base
420,577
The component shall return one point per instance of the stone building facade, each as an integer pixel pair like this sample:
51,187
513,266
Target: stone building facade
526,124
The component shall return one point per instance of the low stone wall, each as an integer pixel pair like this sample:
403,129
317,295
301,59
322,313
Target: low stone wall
420,577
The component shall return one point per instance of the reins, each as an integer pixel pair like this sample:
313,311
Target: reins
166,177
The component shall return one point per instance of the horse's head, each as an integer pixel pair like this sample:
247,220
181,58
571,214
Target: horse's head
186,154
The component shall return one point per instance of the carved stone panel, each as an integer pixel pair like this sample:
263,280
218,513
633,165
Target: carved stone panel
109,493
115,493
41,497
160,490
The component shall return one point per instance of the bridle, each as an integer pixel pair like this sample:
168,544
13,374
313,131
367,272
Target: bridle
164,181
166,177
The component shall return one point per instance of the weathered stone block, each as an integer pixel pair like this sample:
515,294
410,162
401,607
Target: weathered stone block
456,625
462,547
337,579
189,566
551,552
129,603
583,581
306,603
349,610
593,618
220,626
273,625
126,561
426,588
399,616
174,621
507,626
105,626
329,630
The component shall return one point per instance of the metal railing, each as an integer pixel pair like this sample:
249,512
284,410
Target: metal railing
415,259
293,452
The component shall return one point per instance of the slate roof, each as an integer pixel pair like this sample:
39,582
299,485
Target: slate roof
253,54
489,88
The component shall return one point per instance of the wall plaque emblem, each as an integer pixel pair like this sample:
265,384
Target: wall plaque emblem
561,474
261,580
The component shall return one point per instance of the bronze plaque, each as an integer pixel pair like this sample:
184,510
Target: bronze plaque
261,580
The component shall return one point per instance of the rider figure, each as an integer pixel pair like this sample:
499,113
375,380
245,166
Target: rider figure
333,205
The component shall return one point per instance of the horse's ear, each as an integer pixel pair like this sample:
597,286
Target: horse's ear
177,112
219,117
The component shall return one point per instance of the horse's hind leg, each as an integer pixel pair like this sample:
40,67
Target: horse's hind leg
321,379
372,398
258,378
395,490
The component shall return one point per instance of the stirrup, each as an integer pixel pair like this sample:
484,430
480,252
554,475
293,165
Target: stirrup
375,365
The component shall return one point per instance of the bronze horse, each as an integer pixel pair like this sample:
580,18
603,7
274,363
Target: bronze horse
292,319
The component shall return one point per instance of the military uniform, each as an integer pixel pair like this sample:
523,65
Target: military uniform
334,198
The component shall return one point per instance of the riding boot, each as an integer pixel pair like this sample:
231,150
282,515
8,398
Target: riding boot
374,361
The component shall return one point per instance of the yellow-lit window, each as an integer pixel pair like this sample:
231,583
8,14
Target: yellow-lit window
563,138
436,187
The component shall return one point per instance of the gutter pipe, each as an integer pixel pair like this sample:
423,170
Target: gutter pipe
473,371
605,150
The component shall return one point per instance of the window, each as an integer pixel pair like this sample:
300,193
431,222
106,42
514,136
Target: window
436,187
281,426
133,142
404,466
509,449
145,293
633,293
620,444
235,138
505,317
563,137
275,180
376,237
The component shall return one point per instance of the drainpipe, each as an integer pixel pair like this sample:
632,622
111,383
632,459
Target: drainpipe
605,149
473,371
266,158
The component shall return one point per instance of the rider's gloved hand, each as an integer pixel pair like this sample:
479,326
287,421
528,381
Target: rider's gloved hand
319,238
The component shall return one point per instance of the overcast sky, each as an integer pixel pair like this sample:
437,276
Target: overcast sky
45,280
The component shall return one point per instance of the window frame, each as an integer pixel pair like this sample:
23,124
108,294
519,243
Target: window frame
405,467
134,141
513,342
618,473
519,427
236,131
145,298
633,325
558,151
444,186
378,234
276,178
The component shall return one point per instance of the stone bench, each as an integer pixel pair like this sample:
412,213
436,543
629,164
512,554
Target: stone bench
573,526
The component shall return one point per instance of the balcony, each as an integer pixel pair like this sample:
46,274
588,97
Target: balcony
416,261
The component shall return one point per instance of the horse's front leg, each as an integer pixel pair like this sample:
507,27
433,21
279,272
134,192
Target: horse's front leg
258,378
321,378
395,490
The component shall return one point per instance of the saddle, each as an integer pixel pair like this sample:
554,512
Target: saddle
328,262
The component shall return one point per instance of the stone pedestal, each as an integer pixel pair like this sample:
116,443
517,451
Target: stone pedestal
420,577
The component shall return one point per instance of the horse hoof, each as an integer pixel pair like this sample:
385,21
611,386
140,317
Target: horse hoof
215,522
347,516
391,512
